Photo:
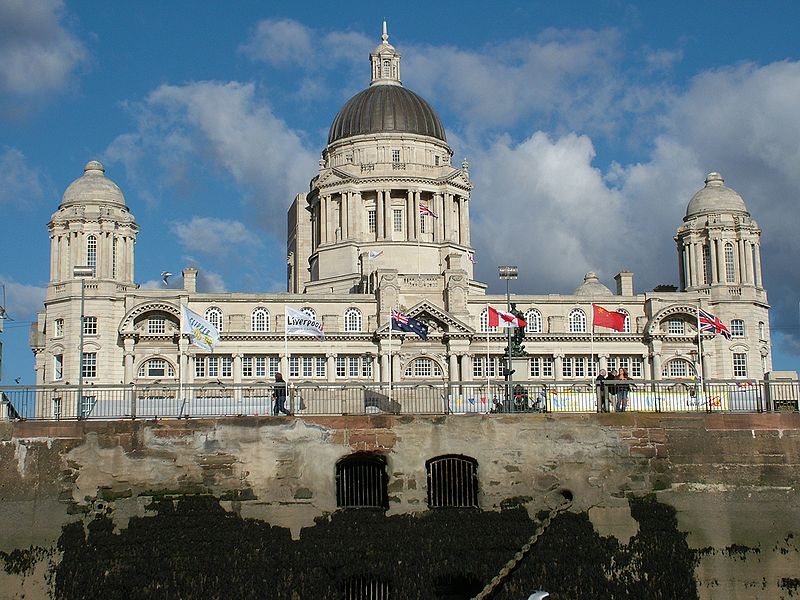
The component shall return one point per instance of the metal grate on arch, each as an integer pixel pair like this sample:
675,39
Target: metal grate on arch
361,482
365,588
452,482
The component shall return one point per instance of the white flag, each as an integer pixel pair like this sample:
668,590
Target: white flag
201,333
299,323
373,254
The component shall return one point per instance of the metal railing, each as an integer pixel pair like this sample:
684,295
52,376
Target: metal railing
165,401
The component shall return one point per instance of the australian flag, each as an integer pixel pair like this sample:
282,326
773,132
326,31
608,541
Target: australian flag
401,322
709,322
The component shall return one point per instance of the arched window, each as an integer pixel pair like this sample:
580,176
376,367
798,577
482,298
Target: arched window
452,481
626,328
387,68
352,319
762,330
730,269
214,316
677,368
362,482
423,368
533,320
156,367
91,253
577,321
260,319
484,322
309,312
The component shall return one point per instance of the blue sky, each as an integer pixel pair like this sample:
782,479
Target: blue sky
588,127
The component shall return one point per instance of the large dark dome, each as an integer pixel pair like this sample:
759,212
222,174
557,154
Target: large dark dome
386,109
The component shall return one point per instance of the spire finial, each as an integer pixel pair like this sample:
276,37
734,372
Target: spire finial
385,36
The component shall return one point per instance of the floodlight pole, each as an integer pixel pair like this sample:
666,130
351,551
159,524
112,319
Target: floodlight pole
82,273
508,272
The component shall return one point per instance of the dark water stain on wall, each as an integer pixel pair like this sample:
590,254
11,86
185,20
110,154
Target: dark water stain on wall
192,548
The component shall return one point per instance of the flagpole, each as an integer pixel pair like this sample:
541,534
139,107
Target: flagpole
488,382
419,269
390,357
591,344
699,347
286,347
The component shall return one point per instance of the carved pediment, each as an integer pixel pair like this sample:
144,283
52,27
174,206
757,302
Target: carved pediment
438,320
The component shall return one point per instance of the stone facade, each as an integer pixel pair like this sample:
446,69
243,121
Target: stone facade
363,241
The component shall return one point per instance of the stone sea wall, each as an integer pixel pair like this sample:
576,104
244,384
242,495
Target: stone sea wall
663,506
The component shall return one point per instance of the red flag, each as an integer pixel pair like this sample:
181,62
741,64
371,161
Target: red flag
606,318
498,318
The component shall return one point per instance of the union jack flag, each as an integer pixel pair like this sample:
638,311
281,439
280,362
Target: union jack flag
709,322
424,210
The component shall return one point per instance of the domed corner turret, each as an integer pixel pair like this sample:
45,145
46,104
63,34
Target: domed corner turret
591,286
93,187
715,197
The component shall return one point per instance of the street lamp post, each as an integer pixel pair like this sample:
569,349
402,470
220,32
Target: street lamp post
508,272
81,273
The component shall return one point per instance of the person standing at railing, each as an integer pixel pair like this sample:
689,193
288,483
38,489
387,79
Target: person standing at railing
279,395
622,386
601,390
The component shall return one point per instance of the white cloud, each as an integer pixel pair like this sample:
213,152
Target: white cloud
20,185
37,53
218,237
280,42
222,125
23,301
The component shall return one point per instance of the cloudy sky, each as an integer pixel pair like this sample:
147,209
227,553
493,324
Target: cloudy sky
587,125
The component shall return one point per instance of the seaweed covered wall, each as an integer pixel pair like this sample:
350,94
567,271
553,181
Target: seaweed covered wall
687,506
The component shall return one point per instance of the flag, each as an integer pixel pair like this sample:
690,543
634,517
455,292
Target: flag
299,323
471,257
709,322
201,333
401,322
373,254
498,318
605,318
424,210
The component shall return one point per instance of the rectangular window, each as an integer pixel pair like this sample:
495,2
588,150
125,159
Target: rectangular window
436,160
56,408
480,367
675,327
398,219
294,367
58,366
740,364
395,156
247,366
89,364
353,366
371,221
59,328
87,405
89,325
737,328
423,367
156,325
226,363
261,366
199,366
308,366
566,366
547,366
341,366
322,367
636,367
213,366
366,366
274,366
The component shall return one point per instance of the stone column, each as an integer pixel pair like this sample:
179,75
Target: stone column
720,258
356,215
465,220
757,265
376,368
466,367
411,215
748,261
712,258
603,361
284,368
558,366
345,204
453,375
647,373
237,368
657,366
379,214
128,357
447,201
415,213
417,202
740,263
387,214
396,368
384,368
330,367
322,215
